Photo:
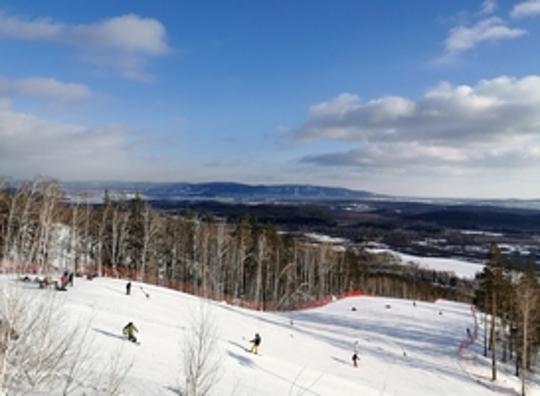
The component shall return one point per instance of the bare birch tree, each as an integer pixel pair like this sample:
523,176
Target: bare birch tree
202,363
527,300
150,229
40,352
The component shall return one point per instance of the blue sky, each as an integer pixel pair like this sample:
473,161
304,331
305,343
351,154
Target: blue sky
403,97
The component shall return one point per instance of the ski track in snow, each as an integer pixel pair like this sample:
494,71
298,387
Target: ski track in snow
404,350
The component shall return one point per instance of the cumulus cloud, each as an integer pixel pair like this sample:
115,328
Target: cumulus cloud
464,38
527,8
488,7
493,124
123,43
43,87
30,145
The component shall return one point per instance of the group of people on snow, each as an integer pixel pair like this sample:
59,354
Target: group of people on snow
60,284
130,329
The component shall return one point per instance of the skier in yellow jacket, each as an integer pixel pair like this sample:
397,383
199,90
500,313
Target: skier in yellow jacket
129,331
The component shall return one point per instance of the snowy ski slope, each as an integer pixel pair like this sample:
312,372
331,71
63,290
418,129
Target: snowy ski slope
404,349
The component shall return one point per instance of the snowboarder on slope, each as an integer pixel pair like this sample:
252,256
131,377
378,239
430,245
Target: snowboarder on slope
128,288
255,343
129,331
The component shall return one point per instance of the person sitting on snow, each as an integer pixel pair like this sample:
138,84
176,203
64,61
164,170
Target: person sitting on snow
255,343
129,331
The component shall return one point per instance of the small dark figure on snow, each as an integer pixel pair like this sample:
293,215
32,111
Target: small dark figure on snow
129,331
414,303
70,279
128,288
353,309
469,333
355,359
255,343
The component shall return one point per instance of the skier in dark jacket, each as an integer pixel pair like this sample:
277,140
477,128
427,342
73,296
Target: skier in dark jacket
129,331
355,359
128,288
255,343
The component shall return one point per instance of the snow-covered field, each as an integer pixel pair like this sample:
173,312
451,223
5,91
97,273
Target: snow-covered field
324,238
404,349
462,268
484,233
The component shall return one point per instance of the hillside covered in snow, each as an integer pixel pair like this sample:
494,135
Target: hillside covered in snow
405,348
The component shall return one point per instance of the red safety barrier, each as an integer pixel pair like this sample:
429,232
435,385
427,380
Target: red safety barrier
470,339
22,267
123,272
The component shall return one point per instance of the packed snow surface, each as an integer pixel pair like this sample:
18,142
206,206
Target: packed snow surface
404,348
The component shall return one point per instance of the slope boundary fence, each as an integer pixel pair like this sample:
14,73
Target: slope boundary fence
465,356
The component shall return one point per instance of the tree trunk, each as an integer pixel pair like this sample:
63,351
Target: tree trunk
493,336
524,353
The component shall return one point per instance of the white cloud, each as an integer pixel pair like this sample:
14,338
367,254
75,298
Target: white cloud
30,145
339,105
43,87
488,7
463,38
494,124
37,29
526,9
496,156
123,43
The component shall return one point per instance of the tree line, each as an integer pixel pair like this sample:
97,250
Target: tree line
241,261
510,302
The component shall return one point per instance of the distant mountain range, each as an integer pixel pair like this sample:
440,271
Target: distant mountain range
218,190
239,192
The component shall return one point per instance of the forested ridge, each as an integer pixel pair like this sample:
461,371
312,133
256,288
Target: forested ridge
244,262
